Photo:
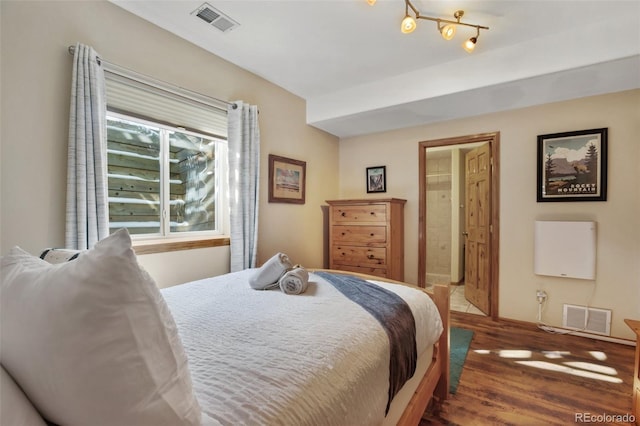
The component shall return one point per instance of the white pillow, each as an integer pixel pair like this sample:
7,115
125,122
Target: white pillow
92,342
15,408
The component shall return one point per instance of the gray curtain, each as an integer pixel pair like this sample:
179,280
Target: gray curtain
87,215
244,173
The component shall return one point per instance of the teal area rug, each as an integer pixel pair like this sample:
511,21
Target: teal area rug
460,339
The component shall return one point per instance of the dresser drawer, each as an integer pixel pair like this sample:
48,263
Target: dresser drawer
363,234
378,272
359,256
360,213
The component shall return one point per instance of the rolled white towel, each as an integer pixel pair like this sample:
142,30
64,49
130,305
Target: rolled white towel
269,273
294,281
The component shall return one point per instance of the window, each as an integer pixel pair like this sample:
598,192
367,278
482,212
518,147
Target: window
162,180
167,155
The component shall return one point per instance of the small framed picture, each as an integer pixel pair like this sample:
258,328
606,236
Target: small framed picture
572,166
376,179
287,179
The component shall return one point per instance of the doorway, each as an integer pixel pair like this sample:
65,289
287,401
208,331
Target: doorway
458,218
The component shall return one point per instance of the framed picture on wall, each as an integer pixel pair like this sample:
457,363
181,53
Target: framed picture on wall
287,180
376,179
572,166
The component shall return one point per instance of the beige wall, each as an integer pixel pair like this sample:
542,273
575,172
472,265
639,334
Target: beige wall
617,286
35,84
36,75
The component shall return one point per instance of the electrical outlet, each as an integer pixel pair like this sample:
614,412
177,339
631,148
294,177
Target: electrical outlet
541,296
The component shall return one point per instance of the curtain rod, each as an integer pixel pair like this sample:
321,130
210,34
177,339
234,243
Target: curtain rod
125,72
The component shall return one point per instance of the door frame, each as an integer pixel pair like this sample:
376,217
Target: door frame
493,139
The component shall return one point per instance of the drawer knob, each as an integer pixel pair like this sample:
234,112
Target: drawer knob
371,234
343,214
372,213
370,256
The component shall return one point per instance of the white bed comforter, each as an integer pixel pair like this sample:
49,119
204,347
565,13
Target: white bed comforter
268,358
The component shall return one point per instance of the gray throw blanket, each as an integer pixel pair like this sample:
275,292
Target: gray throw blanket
395,316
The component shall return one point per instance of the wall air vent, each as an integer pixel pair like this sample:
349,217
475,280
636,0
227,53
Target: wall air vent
591,320
215,18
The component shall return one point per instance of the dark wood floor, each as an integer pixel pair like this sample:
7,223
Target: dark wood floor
516,374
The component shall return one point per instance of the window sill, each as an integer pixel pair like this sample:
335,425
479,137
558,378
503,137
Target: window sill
150,247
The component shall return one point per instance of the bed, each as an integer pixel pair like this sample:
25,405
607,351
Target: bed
209,352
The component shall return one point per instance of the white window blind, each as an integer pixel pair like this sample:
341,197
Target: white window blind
152,99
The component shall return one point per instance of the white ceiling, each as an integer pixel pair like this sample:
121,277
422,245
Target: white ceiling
359,74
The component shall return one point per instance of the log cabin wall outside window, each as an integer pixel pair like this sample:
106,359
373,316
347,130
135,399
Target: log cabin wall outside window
162,180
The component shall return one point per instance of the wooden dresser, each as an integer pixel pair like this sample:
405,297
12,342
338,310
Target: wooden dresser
367,236
635,326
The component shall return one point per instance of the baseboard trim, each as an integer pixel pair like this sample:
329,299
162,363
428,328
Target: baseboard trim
592,335
562,330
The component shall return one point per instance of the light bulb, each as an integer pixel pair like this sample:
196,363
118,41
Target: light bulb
448,31
371,2
470,44
408,24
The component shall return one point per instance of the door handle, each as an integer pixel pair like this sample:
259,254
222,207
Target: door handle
466,234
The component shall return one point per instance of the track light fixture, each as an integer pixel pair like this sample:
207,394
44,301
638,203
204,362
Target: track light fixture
470,44
446,27
408,24
447,31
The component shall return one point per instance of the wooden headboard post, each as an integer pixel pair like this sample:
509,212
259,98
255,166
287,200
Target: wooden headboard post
441,300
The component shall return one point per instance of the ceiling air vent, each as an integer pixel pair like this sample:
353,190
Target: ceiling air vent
214,17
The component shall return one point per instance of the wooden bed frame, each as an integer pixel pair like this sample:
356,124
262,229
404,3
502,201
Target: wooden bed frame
434,386
435,383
